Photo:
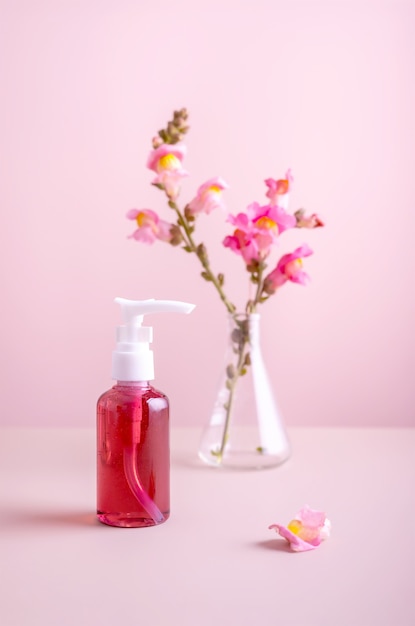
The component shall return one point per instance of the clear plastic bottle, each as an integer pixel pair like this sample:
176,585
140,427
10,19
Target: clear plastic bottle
133,454
133,481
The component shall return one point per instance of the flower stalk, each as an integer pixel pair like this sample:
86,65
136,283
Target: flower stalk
241,340
201,253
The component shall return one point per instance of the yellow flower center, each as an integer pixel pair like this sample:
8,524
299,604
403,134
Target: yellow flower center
295,526
145,220
303,532
168,162
267,223
141,219
293,266
215,189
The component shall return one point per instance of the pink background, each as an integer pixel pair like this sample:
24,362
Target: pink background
326,88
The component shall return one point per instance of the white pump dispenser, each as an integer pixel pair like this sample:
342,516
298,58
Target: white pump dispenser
132,360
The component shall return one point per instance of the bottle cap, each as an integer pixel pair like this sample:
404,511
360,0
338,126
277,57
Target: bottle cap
132,359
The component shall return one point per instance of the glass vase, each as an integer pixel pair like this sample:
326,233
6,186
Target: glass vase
245,430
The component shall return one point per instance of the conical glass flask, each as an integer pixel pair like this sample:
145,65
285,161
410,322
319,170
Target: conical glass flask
245,430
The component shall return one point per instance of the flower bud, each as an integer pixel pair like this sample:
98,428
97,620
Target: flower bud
157,142
201,252
176,235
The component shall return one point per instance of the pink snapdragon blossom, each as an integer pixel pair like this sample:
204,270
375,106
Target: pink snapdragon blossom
150,226
306,531
208,197
243,243
166,157
289,267
272,220
253,244
307,221
166,161
257,231
278,190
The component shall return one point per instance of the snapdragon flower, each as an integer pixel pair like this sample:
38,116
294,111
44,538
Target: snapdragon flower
167,161
307,221
269,219
257,230
289,267
278,190
244,242
306,531
208,197
150,227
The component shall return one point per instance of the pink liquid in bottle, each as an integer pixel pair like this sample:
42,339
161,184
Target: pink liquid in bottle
133,456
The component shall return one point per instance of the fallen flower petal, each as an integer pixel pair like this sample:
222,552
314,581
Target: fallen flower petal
296,543
306,531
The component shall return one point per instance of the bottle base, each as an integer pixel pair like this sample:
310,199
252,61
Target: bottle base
243,449
129,520
243,460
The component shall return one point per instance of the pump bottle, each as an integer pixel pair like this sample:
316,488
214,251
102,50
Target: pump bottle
133,455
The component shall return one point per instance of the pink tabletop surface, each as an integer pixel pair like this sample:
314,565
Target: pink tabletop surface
214,561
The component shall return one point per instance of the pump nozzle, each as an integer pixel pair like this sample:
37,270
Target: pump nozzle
133,311
132,360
